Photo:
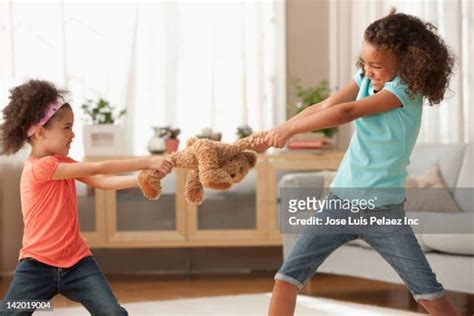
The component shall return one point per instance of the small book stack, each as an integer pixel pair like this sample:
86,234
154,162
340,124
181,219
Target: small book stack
308,143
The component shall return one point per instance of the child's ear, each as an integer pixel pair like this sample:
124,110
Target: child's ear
41,133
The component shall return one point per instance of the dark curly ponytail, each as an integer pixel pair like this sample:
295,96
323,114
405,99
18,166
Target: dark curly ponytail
26,107
425,62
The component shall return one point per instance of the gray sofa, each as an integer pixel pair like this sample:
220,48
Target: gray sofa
11,222
450,255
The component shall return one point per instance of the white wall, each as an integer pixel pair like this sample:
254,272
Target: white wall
307,38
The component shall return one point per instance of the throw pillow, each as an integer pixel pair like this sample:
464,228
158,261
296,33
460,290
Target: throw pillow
428,193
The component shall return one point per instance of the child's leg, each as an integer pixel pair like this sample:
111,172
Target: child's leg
85,283
312,247
33,280
283,299
439,307
310,250
403,252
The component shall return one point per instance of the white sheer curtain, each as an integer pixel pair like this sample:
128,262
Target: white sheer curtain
348,21
453,120
187,64
216,64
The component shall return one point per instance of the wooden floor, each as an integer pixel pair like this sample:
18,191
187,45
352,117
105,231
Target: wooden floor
153,288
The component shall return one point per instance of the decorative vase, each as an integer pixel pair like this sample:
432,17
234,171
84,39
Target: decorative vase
157,144
172,145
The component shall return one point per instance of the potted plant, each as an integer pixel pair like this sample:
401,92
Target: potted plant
208,133
102,135
171,139
310,96
244,131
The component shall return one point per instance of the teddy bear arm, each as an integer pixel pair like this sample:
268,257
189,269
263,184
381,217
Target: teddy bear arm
193,190
250,142
149,181
184,159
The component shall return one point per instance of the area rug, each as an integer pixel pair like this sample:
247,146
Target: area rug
240,305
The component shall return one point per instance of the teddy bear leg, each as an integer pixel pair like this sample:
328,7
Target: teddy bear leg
211,174
193,191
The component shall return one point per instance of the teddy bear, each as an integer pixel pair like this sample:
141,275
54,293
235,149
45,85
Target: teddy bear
212,164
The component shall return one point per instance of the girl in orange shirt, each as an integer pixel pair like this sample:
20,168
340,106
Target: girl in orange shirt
55,258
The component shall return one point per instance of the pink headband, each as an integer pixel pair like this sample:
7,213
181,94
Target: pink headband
51,109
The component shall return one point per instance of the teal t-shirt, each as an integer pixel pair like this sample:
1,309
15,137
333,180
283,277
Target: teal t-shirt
380,148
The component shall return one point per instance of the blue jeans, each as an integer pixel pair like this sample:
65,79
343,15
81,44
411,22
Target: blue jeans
397,244
84,283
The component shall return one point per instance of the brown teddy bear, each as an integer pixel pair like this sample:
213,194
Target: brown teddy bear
212,164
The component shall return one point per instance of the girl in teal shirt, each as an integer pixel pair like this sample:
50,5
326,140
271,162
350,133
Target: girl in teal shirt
402,61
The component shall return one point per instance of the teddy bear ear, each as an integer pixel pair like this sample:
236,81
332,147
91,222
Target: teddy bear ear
251,158
191,141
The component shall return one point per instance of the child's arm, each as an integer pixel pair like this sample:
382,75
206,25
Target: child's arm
346,94
111,182
120,182
333,116
85,169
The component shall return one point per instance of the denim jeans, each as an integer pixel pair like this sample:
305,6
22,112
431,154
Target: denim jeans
84,283
397,244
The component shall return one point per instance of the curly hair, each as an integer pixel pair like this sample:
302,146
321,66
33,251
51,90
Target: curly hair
425,62
26,108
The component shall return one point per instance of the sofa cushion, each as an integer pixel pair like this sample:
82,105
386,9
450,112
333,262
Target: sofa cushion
428,193
303,180
442,223
297,184
359,243
459,244
364,244
448,157
465,185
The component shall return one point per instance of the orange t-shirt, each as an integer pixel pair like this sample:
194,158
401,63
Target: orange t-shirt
51,234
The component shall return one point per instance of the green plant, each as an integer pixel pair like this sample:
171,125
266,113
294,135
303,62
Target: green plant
172,133
208,133
244,131
160,131
309,97
101,112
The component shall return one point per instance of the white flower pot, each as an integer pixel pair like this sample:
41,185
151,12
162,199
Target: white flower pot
156,145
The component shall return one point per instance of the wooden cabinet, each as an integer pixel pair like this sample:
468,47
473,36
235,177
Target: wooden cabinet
245,215
91,212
